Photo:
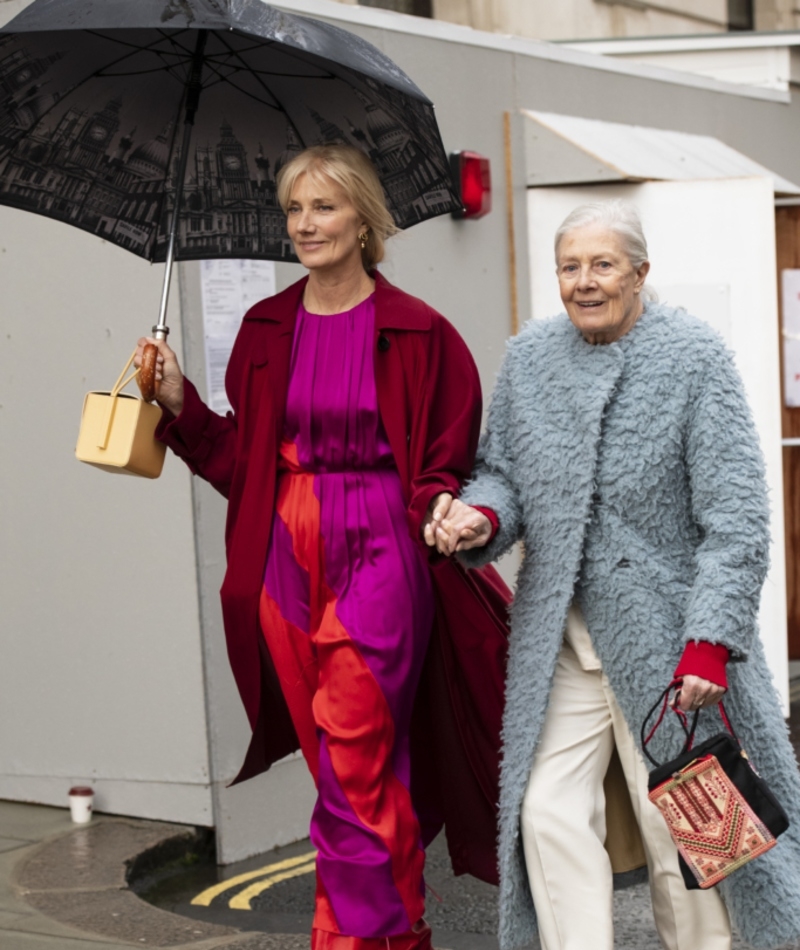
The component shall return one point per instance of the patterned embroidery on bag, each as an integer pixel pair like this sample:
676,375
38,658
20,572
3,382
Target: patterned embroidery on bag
713,826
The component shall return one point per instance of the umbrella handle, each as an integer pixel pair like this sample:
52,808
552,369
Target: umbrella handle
147,374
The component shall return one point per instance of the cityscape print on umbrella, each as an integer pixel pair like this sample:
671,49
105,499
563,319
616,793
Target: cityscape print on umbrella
100,152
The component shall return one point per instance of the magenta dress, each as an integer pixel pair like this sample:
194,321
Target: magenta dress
346,610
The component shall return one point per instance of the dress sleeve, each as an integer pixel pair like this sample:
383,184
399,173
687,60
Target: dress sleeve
730,507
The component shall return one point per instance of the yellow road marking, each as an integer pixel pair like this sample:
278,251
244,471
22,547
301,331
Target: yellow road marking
241,901
205,897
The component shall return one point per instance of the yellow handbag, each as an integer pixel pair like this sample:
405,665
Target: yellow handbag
117,431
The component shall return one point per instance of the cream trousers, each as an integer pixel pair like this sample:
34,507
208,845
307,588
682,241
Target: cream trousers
563,827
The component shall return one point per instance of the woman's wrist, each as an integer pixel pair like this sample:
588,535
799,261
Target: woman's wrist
492,518
706,660
173,404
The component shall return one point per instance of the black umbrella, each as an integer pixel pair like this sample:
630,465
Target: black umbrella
114,114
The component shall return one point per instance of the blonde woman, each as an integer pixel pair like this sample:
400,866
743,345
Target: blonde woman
356,417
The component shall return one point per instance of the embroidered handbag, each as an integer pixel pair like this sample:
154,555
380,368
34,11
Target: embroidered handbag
720,812
117,432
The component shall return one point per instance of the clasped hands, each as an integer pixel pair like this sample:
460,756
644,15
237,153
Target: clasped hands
452,526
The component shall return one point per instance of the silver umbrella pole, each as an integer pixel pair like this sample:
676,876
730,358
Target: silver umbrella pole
161,330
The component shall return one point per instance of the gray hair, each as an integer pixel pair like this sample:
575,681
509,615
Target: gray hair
617,216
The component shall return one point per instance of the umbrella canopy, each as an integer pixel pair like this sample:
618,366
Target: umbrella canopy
111,111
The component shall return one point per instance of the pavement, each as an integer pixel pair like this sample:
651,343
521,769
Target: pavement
67,887
122,882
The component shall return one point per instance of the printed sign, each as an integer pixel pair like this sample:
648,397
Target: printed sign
230,288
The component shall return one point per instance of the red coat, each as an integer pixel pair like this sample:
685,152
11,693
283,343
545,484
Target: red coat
430,405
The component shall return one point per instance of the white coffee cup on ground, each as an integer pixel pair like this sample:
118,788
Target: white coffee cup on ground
80,803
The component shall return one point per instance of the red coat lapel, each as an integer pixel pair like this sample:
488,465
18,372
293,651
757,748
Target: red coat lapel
397,310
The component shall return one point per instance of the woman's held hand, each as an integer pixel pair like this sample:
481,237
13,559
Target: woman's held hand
452,526
169,378
464,528
697,693
437,511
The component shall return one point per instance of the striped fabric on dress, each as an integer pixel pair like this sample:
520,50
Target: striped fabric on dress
346,610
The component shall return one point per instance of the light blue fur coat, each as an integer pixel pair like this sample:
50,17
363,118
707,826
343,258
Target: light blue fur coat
633,475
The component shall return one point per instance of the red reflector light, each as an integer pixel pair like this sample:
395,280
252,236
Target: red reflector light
474,179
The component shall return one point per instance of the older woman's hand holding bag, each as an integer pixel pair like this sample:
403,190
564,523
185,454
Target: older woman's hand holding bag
720,812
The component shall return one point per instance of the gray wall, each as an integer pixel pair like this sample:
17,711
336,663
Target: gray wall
101,678
114,667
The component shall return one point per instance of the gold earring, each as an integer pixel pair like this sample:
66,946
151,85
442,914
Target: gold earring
363,239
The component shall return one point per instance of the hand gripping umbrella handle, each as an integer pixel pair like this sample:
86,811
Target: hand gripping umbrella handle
147,374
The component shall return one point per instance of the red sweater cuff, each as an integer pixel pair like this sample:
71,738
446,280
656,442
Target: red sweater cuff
492,516
706,660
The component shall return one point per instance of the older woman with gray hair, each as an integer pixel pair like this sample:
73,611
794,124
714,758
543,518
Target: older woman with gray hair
621,450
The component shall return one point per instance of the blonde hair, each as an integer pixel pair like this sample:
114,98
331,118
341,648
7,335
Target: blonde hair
355,174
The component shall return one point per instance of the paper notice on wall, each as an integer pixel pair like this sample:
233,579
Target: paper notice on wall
790,291
229,288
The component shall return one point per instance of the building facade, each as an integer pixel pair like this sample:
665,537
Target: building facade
596,19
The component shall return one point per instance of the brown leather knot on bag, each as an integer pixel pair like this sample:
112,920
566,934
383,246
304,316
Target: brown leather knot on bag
146,378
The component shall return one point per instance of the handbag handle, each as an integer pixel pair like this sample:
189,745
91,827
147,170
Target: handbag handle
663,701
147,372
689,731
119,385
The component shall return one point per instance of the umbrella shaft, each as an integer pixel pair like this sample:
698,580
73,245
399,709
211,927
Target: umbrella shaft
161,330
